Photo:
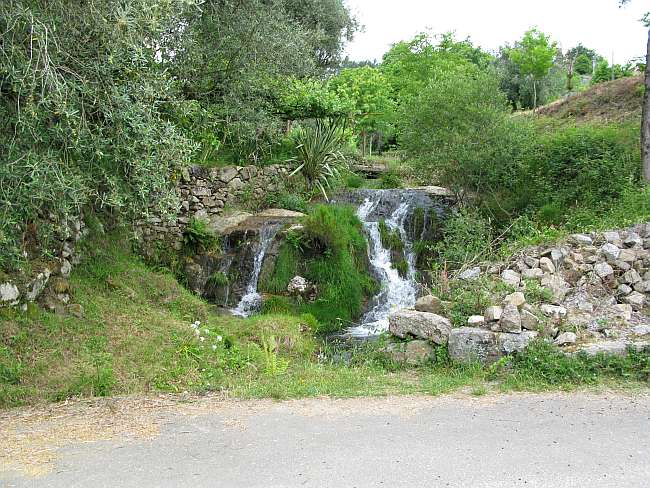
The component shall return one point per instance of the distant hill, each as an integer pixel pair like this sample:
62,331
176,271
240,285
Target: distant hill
614,101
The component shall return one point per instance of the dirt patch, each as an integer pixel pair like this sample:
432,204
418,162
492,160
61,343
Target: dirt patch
612,101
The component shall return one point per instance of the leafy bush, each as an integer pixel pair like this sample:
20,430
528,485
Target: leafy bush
390,179
81,120
467,238
353,180
288,201
569,165
459,131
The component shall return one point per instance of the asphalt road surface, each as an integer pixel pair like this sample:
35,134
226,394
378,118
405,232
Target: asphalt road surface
528,440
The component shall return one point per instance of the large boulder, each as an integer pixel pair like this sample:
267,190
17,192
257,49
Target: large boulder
424,325
472,344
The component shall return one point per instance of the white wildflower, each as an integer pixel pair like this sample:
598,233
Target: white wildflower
201,339
214,347
219,338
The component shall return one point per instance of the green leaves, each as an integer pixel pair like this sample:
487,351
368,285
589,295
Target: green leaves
534,54
319,154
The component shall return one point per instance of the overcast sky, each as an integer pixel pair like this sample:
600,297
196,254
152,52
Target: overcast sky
598,24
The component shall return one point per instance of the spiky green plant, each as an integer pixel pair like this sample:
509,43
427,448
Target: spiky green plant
319,154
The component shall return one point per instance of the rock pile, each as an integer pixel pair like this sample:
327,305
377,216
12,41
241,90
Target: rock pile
596,298
47,282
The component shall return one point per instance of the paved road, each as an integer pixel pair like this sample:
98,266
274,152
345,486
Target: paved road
550,440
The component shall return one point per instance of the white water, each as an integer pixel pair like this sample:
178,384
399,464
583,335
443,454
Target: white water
396,292
251,301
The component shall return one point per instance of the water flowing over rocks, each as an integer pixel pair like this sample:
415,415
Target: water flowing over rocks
412,214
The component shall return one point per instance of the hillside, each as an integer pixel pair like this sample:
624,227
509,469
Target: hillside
614,101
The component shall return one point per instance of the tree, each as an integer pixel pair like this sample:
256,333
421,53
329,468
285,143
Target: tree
367,92
583,64
534,55
645,119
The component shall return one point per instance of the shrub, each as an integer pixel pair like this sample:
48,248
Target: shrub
319,154
459,131
390,179
288,201
467,237
353,180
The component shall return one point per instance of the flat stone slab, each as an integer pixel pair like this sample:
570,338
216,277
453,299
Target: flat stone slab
424,325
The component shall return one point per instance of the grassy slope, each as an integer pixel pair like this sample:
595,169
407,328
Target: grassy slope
613,101
136,337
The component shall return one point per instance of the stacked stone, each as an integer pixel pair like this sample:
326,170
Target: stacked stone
205,192
48,281
598,284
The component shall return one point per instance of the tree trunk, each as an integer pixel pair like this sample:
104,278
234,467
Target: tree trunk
534,95
645,119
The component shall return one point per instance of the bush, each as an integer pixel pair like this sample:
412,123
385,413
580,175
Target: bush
569,168
467,237
459,131
390,179
288,201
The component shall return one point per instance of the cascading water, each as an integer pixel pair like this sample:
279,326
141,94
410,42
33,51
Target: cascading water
397,292
252,300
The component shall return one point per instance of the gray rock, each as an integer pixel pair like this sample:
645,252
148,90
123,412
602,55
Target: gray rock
470,274
8,293
643,287
581,239
511,277
510,319
612,237
546,265
627,256
623,311
513,343
610,348
424,325
624,290
37,286
529,320
557,286
517,299
603,270
531,262
413,353
636,299
472,344
227,174
610,251
631,277
632,240
556,312
565,339
66,268
532,274
428,303
475,320
641,330
299,286
493,314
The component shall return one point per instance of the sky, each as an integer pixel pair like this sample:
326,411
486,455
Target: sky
598,24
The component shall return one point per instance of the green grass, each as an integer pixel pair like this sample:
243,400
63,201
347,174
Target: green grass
136,337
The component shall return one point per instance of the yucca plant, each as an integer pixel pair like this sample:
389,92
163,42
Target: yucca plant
319,154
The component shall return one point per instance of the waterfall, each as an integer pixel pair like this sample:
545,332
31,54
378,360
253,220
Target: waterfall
396,292
252,300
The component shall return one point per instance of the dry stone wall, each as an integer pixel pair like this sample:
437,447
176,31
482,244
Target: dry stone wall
207,192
